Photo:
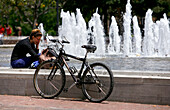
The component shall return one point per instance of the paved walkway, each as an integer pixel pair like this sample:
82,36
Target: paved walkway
9,102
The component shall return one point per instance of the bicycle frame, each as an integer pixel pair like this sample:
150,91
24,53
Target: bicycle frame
61,54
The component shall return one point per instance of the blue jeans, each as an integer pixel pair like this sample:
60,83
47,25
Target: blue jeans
23,62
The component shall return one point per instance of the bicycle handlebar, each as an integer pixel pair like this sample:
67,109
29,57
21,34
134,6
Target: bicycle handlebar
62,41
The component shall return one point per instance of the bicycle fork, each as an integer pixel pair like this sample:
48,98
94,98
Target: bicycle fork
52,73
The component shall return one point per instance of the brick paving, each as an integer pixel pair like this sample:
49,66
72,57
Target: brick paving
10,102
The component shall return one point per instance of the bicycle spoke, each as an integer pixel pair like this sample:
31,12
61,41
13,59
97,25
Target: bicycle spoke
53,85
49,82
101,90
91,90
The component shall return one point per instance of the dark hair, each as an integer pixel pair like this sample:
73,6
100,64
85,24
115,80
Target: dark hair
6,25
35,33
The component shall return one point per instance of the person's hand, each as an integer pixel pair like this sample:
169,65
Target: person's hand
37,45
42,58
44,51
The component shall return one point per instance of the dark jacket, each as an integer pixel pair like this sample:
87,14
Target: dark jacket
22,48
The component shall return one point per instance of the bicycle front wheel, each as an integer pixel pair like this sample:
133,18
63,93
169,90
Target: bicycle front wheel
97,82
49,79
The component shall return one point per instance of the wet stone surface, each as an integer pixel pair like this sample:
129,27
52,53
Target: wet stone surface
114,62
5,55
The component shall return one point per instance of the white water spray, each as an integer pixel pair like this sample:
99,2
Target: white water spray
148,43
137,37
114,45
127,44
155,42
43,43
98,33
164,37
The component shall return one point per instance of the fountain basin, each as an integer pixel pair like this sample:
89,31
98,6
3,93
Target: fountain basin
130,86
115,62
12,39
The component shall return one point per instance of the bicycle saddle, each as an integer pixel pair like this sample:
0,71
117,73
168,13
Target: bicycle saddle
89,48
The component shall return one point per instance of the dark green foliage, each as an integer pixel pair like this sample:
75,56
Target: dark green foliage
26,13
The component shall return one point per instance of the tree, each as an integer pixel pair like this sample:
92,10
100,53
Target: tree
31,10
5,11
162,6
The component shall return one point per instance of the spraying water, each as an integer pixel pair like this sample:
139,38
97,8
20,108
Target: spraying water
148,43
164,36
137,37
75,30
114,45
127,45
154,43
97,30
81,33
43,43
68,29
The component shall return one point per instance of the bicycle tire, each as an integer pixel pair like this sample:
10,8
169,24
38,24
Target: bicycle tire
49,79
95,87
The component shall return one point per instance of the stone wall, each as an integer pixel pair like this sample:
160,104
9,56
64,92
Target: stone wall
130,86
12,39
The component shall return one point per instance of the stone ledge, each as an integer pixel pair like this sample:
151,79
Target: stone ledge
130,86
7,46
116,73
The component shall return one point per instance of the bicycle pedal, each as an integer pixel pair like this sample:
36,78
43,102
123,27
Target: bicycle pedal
79,86
67,59
65,90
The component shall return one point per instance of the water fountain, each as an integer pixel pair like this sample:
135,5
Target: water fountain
137,37
98,33
140,74
154,43
143,54
75,30
114,38
148,42
42,44
127,44
145,51
164,37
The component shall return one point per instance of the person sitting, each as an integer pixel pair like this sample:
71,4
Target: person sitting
29,45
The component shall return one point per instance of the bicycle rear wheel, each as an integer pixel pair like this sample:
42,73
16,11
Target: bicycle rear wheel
49,79
97,82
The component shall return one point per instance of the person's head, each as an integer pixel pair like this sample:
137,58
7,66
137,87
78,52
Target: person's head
35,36
6,25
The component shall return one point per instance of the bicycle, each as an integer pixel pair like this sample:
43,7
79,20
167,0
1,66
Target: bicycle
49,78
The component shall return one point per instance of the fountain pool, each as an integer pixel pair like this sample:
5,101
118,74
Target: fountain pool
114,62
151,57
